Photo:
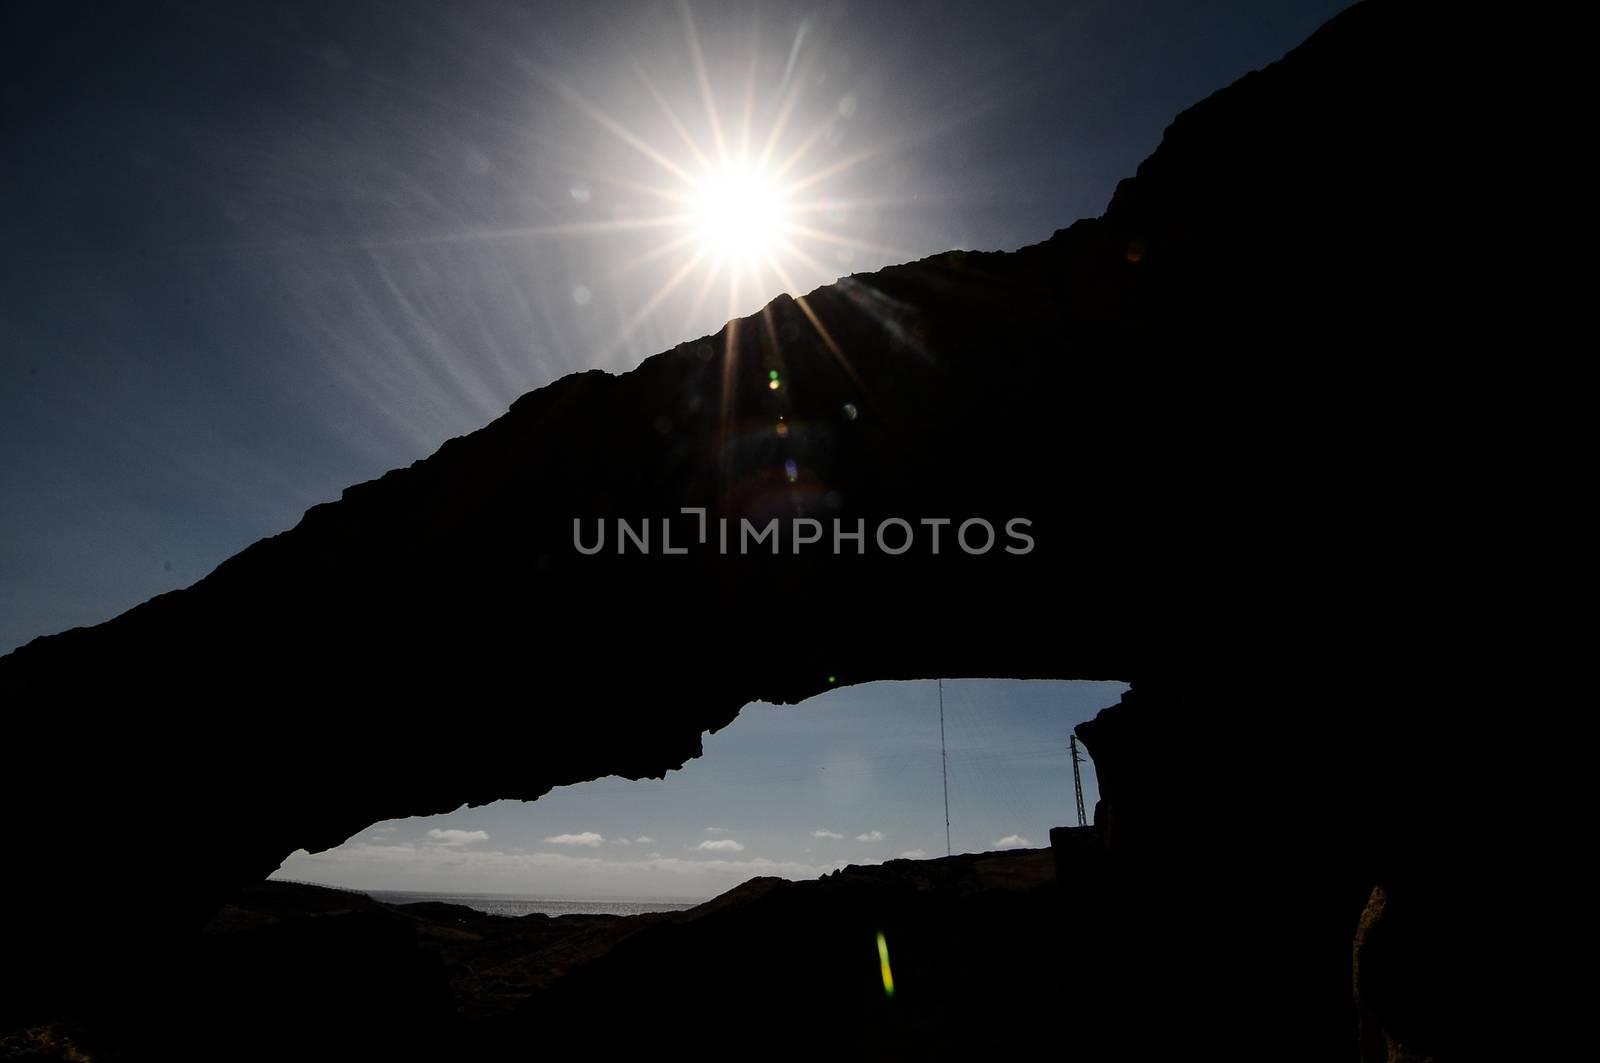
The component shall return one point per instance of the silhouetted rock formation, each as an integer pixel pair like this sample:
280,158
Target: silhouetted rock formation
964,935
1227,407
288,970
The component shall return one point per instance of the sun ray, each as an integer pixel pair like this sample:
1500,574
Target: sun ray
734,277
833,346
701,295
615,225
683,199
779,123
749,104
821,330
650,304
654,254
788,91
518,232
800,152
817,206
704,78
888,312
813,263
832,171
617,129
755,280
772,331
794,53
823,236
771,328
672,118
730,363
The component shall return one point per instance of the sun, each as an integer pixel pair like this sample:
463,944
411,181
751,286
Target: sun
744,197
739,214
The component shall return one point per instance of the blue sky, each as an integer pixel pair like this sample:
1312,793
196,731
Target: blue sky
252,254
851,776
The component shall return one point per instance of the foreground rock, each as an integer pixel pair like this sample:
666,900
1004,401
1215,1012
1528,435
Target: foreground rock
288,971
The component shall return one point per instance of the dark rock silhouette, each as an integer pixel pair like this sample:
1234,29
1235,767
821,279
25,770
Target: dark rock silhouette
288,970
1253,476
964,935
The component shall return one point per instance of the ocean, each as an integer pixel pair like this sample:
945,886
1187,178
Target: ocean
507,904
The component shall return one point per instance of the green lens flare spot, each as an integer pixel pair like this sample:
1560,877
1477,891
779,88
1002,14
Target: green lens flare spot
883,966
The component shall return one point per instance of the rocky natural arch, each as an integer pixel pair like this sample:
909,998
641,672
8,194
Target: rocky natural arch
1210,404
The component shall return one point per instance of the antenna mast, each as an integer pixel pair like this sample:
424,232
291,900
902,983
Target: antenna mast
944,760
1077,779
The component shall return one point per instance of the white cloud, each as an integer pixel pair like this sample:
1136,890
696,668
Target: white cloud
620,841
452,869
914,854
1013,841
588,838
721,845
870,836
452,836
826,834
644,839
716,830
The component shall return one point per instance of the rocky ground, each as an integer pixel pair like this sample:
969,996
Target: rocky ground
287,969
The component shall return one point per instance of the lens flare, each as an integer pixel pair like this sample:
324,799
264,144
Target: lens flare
883,966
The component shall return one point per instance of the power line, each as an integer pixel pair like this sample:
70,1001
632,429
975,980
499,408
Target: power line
944,760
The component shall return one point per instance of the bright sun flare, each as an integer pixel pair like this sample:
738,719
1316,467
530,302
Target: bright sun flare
746,205
739,214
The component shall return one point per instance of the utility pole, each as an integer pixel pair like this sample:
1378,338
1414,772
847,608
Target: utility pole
1077,779
944,760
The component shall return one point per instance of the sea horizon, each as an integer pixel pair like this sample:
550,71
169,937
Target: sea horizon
520,904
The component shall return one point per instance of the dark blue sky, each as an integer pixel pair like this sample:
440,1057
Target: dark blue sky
250,254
